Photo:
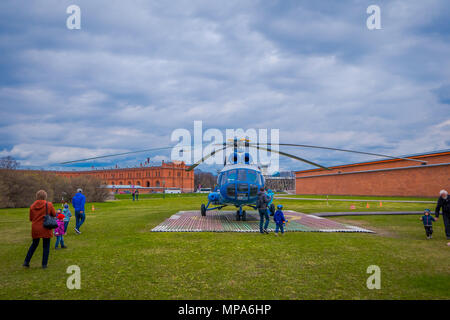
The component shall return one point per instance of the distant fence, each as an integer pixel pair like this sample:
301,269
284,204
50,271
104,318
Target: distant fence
131,188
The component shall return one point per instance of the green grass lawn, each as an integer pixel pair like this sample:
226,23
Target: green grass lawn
120,259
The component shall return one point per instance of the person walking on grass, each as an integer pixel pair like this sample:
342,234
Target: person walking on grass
78,202
444,203
427,220
133,194
38,210
67,215
59,232
261,204
137,195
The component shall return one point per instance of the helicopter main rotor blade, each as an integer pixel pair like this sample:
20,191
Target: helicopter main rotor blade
206,157
290,156
115,155
344,150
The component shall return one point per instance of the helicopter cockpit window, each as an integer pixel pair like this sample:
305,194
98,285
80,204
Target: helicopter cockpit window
242,174
253,190
231,176
252,177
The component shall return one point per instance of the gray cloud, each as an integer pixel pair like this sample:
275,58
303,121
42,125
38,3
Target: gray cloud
138,70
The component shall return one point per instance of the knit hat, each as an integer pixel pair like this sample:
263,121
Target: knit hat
426,210
279,206
66,206
61,216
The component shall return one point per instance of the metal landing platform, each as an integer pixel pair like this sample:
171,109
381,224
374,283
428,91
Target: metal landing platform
225,221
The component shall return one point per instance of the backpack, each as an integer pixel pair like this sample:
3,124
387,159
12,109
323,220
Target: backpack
262,199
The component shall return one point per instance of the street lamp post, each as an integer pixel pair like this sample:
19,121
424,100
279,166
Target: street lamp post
164,189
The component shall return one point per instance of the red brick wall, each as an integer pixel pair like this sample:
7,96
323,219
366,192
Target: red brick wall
173,174
416,180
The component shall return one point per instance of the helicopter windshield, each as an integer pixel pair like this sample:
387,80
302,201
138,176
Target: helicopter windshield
251,176
242,175
229,176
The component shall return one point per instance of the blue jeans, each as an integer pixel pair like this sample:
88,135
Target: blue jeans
58,240
79,218
279,226
66,224
263,213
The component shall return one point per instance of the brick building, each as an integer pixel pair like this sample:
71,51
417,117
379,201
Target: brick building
168,175
388,177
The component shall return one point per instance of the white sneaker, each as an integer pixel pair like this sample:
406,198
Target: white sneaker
77,231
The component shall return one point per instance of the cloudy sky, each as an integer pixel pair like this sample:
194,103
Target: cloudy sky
138,69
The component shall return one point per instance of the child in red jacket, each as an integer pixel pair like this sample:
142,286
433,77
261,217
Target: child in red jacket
59,232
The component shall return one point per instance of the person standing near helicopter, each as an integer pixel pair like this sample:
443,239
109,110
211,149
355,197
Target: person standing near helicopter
261,204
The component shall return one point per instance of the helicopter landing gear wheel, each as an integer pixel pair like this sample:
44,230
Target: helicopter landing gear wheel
244,216
203,210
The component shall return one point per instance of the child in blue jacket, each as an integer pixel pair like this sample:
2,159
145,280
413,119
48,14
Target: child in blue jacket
427,220
67,215
279,219
270,195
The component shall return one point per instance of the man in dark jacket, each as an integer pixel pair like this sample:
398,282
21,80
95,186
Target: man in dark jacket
261,204
444,203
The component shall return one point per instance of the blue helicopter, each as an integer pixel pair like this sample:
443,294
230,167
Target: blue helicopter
238,184
239,181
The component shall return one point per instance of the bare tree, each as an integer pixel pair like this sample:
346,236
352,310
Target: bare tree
18,188
8,163
205,179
